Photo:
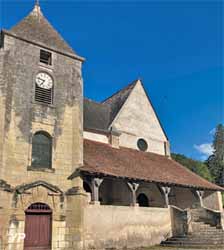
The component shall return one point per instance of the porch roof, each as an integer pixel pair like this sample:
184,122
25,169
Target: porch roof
102,159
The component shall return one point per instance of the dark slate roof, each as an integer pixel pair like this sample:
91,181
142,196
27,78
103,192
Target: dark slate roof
36,28
96,115
117,100
102,159
99,116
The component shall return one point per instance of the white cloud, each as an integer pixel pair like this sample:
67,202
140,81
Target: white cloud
212,132
205,149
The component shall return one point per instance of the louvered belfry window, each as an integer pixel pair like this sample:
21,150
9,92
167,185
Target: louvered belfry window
45,57
43,95
41,150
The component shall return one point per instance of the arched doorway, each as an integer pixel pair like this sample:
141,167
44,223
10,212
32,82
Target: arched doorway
86,187
38,224
143,200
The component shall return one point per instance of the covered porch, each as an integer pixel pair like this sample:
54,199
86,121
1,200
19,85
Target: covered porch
139,199
130,213
108,190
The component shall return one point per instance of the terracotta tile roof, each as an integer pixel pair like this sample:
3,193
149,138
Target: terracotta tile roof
102,159
36,28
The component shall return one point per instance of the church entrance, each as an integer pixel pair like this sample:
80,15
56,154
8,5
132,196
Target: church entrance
38,227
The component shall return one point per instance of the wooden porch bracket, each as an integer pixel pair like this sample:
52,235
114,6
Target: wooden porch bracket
166,190
95,185
133,187
200,195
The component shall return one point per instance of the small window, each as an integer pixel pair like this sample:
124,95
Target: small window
142,145
45,57
41,150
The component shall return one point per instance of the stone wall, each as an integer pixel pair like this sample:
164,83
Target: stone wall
213,200
20,118
95,137
183,198
137,119
23,117
120,227
116,192
155,197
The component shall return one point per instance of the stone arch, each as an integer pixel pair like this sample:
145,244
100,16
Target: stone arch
143,200
87,187
38,205
114,192
24,187
38,191
155,197
184,198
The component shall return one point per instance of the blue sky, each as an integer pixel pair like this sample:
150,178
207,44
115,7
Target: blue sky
175,47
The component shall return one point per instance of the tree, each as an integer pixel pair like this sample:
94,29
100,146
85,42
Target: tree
215,162
197,167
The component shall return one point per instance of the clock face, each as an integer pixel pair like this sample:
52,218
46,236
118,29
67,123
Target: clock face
44,81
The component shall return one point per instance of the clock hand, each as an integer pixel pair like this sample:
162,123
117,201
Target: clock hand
42,83
40,79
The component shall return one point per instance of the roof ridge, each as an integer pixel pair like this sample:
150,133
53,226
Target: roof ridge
121,90
96,102
35,27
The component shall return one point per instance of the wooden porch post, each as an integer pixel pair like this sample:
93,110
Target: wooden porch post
200,195
166,190
133,187
95,183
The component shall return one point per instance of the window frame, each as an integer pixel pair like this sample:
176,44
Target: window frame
48,62
42,167
145,147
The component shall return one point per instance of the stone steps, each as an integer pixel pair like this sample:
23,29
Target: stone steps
202,235
189,245
197,239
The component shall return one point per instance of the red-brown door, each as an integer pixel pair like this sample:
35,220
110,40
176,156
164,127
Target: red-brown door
38,227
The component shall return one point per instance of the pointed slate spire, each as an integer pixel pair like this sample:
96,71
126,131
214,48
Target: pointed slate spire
36,28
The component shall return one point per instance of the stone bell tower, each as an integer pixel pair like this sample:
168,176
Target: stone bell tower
41,130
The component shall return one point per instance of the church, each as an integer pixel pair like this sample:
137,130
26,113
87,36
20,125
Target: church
79,174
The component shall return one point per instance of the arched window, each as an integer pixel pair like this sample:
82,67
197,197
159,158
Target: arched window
143,200
41,150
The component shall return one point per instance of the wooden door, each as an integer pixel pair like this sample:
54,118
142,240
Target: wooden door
38,227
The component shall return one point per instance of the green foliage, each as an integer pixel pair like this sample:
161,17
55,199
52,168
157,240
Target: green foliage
197,167
215,162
